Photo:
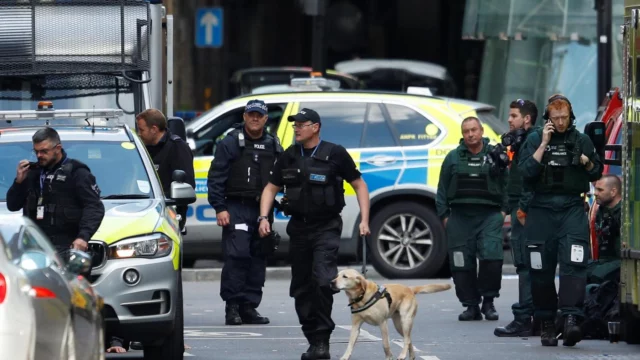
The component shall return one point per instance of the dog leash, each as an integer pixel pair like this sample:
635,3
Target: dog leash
364,256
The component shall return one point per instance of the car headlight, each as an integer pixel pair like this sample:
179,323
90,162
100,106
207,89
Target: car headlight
150,246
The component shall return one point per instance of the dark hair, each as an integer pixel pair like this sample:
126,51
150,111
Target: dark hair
153,117
526,107
614,180
46,133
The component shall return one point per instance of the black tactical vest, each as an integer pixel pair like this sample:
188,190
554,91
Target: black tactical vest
249,173
472,182
562,172
313,187
62,209
608,232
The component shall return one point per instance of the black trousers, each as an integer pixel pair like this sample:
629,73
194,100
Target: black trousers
244,271
314,254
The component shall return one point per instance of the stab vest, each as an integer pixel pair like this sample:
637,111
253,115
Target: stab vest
562,172
608,232
249,173
472,182
62,209
313,187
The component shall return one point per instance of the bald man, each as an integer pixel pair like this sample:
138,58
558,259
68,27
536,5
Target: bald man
608,196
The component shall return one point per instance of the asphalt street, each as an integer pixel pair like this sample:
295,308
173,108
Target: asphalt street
437,333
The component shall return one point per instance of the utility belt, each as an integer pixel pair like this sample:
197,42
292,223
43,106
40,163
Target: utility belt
313,218
245,200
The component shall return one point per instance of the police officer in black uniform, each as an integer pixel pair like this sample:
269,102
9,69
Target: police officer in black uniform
312,172
58,193
238,173
607,225
168,151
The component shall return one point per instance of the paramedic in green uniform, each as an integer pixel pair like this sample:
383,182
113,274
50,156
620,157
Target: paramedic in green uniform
608,197
472,203
522,119
558,162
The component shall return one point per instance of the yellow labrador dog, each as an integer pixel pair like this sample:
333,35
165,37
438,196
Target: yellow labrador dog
375,304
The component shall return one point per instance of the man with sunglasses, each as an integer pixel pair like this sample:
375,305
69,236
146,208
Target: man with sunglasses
522,119
558,163
58,193
312,172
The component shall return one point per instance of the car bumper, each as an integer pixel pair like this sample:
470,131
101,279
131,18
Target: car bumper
144,311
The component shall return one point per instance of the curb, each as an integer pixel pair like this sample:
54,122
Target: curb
284,273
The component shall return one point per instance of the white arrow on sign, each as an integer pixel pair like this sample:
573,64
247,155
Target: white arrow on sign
209,20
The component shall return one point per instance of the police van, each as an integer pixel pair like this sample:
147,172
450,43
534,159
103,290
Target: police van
398,142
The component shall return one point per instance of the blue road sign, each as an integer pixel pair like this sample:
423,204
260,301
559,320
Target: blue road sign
209,27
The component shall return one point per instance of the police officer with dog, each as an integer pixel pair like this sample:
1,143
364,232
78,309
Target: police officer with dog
237,175
522,119
58,193
607,227
558,163
312,173
472,203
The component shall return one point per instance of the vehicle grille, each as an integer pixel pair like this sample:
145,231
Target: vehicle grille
98,253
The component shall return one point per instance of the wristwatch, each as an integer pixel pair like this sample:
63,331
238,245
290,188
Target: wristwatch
260,218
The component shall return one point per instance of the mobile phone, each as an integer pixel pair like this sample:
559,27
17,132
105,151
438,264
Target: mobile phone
33,165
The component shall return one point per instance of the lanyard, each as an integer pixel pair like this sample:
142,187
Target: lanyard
43,175
314,150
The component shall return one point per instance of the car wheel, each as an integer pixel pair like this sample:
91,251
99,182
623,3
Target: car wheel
69,341
407,241
172,347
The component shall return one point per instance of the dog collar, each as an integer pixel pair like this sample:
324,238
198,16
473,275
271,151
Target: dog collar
382,292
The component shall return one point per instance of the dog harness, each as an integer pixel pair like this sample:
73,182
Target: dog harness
382,292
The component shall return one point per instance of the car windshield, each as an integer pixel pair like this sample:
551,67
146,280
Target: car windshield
117,166
67,92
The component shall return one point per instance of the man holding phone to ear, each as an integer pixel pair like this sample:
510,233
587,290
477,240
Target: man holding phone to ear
558,163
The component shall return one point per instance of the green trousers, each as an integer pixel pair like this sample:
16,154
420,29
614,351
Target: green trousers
523,309
554,236
475,231
603,270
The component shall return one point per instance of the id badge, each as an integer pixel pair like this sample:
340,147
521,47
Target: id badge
40,213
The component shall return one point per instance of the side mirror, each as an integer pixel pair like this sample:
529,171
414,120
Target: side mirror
181,192
78,262
176,126
34,260
595,130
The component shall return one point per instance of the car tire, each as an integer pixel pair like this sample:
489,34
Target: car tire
387,225
173,346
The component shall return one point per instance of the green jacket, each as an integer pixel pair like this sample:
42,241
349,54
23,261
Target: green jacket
447,172
609,239
531,170
519,195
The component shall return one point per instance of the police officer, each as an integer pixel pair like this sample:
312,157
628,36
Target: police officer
472,202
607,226
312,172
522,119
238,173
59,194
558,162
168,151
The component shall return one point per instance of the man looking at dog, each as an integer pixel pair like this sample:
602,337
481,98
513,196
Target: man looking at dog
522,119
472,203
312,172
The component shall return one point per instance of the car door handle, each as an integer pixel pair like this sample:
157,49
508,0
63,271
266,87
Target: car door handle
381,160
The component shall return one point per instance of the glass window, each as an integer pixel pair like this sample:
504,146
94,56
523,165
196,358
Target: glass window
413,129
376,131
342,122
102,157
615,169
215,130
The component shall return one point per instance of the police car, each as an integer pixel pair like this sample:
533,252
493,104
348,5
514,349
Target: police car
398,141
138,248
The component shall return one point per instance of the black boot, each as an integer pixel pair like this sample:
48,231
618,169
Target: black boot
571,333
319,350
489,310
250,315
232,314
516,328
472,313
548,333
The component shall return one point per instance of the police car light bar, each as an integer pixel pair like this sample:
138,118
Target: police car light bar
318,82
114,115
